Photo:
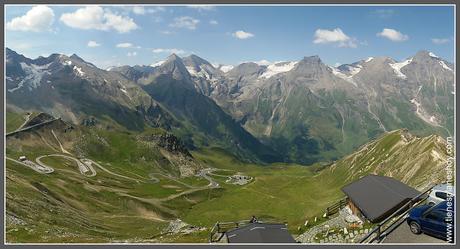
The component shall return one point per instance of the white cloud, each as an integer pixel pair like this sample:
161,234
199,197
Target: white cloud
139,10
95,17
168,50
335,36
213,22
201,7
93,44
440,40
166,32
240,34
393,35
125,45
185,22
39,18
131,54
156,9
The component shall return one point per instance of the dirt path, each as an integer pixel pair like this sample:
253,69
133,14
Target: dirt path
60,145
25,122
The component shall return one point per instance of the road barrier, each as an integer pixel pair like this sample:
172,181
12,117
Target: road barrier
388,225
30,127
220,228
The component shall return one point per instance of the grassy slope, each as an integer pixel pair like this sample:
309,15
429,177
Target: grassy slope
282,192
13,121
416,161
68,207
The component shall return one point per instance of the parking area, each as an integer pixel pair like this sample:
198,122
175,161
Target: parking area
402,234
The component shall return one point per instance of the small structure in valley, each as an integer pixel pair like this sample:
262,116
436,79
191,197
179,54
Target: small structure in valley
376,197
239,179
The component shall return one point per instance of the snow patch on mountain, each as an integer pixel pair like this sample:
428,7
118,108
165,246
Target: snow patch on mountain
225,68
123,90
202,73
78,71
422,114
432,55
443,64
262,63
369,59
348,78
355,70
397,66
34,76
157,64
277,68
191,71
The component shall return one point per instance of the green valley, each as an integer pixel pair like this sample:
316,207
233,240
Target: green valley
141,185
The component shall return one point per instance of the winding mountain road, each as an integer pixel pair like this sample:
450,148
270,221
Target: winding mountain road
86,170
43,169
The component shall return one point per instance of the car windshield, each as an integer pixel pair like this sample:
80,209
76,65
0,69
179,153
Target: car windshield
442,195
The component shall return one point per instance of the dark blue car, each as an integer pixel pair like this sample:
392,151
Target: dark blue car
433,220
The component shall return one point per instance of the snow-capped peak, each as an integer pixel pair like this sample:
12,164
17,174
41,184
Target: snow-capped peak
157,64
225,68
369,59
432,55
262,63
397,66
443,64
278,67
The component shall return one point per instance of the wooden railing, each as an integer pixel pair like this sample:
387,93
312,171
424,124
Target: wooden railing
334,208
393,221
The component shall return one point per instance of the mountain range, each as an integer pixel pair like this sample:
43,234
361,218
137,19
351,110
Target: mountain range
295,111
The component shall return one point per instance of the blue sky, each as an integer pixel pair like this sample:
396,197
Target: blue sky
127,35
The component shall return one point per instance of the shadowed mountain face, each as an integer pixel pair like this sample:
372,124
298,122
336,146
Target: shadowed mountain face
76,90
302,111
206,123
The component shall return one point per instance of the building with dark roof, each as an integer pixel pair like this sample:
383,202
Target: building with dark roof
376,197
260,233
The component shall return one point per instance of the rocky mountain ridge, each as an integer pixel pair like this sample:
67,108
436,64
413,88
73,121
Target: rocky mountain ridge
302,111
